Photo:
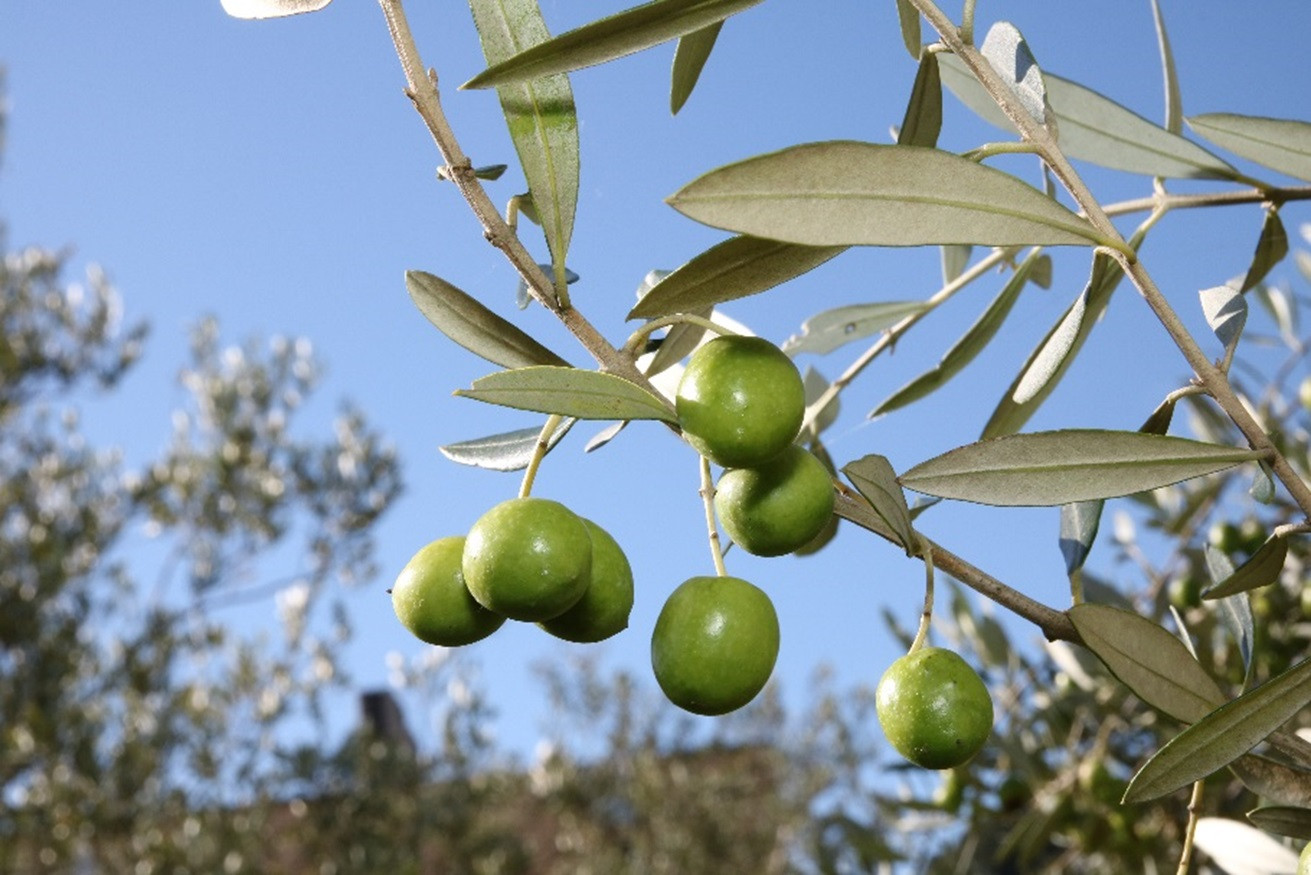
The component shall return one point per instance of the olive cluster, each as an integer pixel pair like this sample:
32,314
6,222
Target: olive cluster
528,559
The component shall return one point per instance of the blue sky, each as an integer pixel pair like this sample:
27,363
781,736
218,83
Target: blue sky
273,174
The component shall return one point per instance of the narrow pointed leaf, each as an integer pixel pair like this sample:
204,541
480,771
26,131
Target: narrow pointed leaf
1284,820
1159,421
1263,484
613,37
1271,247
680,340
847,193
1225,309
954,260
1273,780
1148,660
569,392
909,19
735,268
1008,53
689,59
541,117
1096,129
1280,144
1223,735
1262,569
467,322
1058,467
923,120
511,451
1239,849
605,435
816,384
1079,524
1174,118
975,339
1235,611
271,8
826,331
1048,363
874,478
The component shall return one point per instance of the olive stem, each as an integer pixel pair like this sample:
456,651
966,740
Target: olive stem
708,500
926,616
539,453
1194,809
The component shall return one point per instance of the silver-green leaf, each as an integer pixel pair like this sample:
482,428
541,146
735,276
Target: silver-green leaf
608,38
541,118
875,479
1271,247
826,331
1280,144
908,17
569,392
1096,129
1284,820
735,268
1148,660
923,119
964,350
848,193
1058,467
1262,569
689,59
1052,357
1223,735
464,320
511,451
271,8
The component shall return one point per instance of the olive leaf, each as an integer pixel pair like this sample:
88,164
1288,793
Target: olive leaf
954,260
1148,660
1053,356
735,268
1234,611
1225,309
541,117
1284,820
608,38
569,392
1275,781
689,59
510,451
1262,569
976,337
909,19
1080,521
467,322
1223,735
1009,55
923,119
1271,247
1096,129
848,193
826,331
271,8
1280,144
875,479
1174,119
1058,467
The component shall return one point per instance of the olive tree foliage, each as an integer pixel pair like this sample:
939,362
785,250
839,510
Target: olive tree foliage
1139,721
130,706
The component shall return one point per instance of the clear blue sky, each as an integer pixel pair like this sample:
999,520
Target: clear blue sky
272,173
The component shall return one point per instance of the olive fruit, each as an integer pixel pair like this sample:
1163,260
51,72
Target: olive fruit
603,610
714,644
934,708
528,559
431,600
740,401
777,506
